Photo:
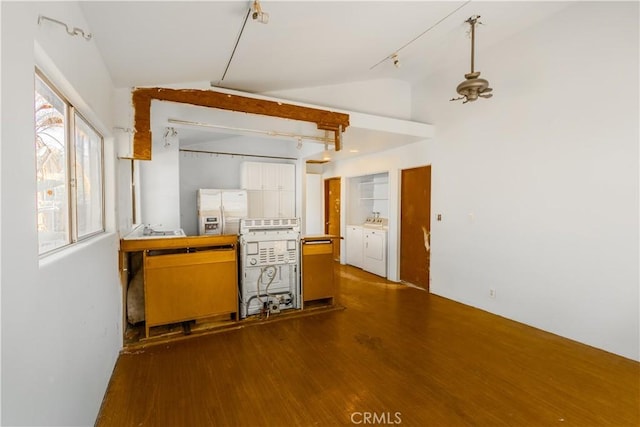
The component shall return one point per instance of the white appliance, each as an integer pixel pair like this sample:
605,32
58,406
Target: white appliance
354,245
269,265
374,258
220,211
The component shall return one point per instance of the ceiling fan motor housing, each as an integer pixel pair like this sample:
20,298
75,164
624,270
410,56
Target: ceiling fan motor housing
472,86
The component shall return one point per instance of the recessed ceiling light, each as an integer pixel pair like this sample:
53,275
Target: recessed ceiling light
353,151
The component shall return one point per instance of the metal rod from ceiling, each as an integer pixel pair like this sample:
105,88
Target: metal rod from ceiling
472,21
233,52
185,150
264,132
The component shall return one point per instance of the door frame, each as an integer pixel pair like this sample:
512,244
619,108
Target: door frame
326,207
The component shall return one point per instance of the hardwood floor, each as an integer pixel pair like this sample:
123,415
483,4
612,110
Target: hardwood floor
394,355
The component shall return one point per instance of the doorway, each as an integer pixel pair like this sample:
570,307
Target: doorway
332,212
415,226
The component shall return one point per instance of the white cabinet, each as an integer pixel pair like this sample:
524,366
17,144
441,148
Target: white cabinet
287,206
286,177
271,203
251,176
275,204
354,245
270,176
256,205
271,189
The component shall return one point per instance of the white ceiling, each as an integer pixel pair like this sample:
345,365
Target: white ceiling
305,43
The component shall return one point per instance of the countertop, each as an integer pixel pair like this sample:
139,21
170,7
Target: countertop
317,237
133,244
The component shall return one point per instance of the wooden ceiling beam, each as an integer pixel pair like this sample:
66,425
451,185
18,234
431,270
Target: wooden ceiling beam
337,133
142,97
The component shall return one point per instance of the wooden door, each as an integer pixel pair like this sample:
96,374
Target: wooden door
332,212
415,225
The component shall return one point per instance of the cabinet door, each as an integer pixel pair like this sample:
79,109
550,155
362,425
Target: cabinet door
255,204
354,246
188,286
317,271
286,177
373,248
270,174
251,176
287,204
270,203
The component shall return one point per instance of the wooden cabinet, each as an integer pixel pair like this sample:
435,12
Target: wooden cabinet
188,278
188,286
318,280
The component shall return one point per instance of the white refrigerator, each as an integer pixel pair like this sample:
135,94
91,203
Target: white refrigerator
219,211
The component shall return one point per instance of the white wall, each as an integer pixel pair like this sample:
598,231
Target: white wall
538,186
123,145
313,196
61,316
160,185
383,97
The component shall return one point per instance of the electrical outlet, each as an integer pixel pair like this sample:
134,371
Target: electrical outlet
492,293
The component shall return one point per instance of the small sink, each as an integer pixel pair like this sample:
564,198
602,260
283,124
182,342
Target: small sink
146,232
160,233
150,232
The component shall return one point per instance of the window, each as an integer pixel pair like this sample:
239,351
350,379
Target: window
88,174
69,171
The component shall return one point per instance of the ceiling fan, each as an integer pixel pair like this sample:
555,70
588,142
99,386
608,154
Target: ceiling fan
473,87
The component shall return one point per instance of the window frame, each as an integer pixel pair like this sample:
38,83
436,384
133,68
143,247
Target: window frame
75,113
71,112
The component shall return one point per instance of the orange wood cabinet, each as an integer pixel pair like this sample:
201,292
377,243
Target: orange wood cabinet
187,278
188,286
317,268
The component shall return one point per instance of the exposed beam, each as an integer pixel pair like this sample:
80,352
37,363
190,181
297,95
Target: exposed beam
141,98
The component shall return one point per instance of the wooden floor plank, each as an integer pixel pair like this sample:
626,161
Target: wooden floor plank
393,349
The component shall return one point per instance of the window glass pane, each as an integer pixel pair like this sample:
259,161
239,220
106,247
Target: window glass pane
51,153
88,167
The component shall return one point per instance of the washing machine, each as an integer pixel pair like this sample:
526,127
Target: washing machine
374,232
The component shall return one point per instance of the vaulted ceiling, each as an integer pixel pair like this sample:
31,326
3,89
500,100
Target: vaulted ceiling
304,44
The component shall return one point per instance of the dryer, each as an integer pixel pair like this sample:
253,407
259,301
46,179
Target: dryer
375,246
